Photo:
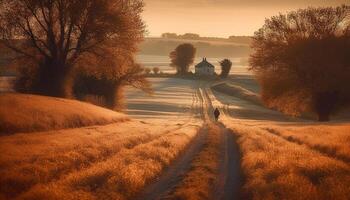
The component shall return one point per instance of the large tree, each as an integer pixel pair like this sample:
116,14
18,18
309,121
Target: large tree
302,61
52,36
182,57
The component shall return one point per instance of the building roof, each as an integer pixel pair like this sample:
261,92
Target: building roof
204,63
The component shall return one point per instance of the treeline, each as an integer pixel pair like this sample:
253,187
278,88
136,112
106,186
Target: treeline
195,36
160,46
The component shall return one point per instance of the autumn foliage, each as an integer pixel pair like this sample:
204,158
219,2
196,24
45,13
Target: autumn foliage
302,61
182,57
51,38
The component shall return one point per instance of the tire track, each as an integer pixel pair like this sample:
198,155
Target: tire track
175,172
230,177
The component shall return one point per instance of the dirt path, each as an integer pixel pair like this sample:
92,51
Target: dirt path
229,178
173,174
228,181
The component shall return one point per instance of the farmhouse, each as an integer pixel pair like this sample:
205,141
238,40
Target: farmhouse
204,68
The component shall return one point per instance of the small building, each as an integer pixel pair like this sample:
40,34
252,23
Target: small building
204,68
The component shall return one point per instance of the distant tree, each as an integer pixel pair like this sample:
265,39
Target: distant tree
169,35
182,57
190,36
51,37
302,61
226,65
147,70
156,70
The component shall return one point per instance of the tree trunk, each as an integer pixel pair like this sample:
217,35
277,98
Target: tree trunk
324,104
119,103
115,98
54,79
323,117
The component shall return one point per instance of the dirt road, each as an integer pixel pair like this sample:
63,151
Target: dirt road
228,181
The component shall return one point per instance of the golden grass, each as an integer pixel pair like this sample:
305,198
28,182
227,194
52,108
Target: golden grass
107,162
275,168
332,140
199,181
29,113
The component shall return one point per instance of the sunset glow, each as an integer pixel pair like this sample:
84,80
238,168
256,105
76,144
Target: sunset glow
218,18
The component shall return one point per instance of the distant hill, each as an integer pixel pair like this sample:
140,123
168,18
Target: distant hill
236,46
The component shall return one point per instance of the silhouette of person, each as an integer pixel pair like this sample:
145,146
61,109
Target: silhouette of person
216,114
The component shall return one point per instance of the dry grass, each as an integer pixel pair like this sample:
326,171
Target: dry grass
29,113
275,168
107,162
198,182
331,140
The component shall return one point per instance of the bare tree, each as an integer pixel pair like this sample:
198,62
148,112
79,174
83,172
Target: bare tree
182,57
52,36
226,65
302,61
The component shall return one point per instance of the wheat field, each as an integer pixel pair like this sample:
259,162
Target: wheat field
277,168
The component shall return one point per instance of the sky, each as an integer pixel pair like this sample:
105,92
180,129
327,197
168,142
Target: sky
218,18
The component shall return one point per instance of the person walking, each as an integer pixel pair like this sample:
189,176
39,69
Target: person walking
216,114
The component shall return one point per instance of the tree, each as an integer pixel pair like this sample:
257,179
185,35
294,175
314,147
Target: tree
302,61
116,70
169,35
147,71
182,57
226,65
193,36
52,36
156,70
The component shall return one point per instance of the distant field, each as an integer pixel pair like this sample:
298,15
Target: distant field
172,101
210,41
205,48
240,65
28,113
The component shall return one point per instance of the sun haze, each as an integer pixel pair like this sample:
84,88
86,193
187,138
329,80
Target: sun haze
220,18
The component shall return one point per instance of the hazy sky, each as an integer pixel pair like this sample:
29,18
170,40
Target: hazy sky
220,18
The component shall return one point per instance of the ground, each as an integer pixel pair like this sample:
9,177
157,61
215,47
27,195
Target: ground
172,148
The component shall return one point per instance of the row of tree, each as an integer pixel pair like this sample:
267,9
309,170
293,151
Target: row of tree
195,36
70,47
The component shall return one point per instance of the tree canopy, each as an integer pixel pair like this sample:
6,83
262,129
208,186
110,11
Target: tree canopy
226,65
182,57
52,36
302,60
